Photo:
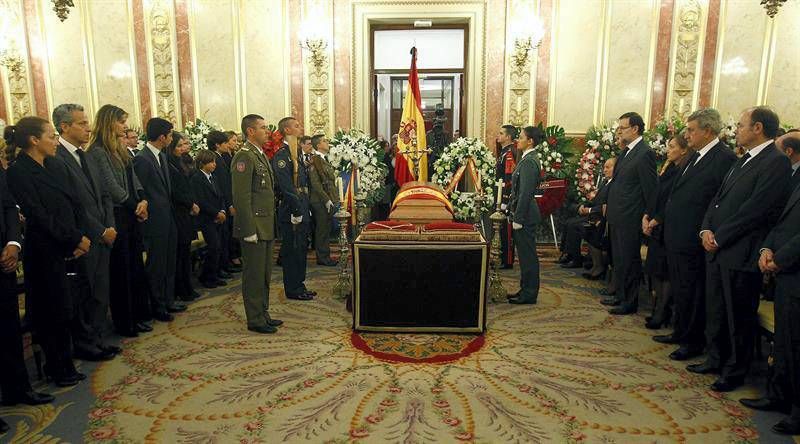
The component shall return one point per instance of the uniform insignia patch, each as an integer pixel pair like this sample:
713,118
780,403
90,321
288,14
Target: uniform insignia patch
240,167
281,164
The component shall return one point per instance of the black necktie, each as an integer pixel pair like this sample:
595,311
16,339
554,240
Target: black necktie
620,158
737,168
213,185
84,167
164,168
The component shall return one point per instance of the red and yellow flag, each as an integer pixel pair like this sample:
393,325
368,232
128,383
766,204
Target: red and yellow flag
411,135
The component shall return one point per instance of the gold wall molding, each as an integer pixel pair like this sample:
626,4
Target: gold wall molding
14,74
687,55
521,55
317,48
159,28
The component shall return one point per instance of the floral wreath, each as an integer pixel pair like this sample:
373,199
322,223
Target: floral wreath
354,147
599,148
553,153
197,133
453,157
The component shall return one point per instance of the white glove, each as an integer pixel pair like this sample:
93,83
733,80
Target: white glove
251,239
297,220
503,206
516,226
329,206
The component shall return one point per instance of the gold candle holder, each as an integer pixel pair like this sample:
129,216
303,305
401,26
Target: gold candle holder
342,288
497,291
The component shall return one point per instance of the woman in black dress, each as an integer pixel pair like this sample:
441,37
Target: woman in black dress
52,239
656,262
185,209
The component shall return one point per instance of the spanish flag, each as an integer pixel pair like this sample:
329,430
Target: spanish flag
411,135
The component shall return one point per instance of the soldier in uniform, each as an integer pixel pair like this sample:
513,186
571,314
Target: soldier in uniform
293,213
254,199
525,215
505,166
324,197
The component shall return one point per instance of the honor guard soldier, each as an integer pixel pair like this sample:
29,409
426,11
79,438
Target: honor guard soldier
253,184
294,211
504,170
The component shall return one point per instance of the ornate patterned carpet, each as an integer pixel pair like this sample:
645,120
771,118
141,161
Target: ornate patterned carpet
560,371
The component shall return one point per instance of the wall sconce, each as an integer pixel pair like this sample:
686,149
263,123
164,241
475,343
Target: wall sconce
526,41
772,6
316,48
61,8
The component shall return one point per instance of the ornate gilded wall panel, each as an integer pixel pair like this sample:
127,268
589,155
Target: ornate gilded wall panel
316,41
14,63
159,26
687,50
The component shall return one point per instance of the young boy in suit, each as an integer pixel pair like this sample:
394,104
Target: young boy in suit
211,218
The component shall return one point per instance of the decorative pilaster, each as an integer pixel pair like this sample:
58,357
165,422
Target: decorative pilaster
159,27
14,64
687,50
315,41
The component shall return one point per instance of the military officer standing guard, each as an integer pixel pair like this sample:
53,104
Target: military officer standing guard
293,213
504,169
525,215
254,199
324,195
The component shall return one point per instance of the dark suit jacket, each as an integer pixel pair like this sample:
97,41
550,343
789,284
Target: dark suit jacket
182,200
524,183
53,216
784,239
746,207
632,188
95,200
795,181
209,198
157,190
9,221
222,177
689,199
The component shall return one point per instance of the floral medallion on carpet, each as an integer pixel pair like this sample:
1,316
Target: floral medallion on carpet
559,371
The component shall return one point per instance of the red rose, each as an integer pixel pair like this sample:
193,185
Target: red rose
552,141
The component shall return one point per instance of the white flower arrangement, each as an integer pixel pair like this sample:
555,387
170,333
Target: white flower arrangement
453,157
728,133
197,133
356,148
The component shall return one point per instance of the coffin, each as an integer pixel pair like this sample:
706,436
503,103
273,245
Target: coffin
421,203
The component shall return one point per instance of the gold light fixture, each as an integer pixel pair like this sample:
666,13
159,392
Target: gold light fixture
9,53
316,48
772,6
61,8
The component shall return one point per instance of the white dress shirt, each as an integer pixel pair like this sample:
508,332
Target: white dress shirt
705,150
756,151
156,152
71,148
632,145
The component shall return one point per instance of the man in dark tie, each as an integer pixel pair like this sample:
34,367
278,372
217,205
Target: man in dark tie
132,142
159,230
628,195
738,219
220,144
91,283
14,383
213,213
780,257
686,206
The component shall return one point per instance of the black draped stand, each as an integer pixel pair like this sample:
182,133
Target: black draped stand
412,286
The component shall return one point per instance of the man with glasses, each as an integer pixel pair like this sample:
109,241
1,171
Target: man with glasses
628,196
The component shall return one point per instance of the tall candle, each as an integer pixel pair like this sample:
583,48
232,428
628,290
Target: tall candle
499,191
341,190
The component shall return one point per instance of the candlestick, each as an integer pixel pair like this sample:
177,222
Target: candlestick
499,199
341,189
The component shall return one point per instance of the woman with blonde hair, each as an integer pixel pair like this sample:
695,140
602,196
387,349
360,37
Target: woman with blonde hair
113,160
656,263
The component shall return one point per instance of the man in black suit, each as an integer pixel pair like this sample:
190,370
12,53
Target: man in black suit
738,219
789,143
91,285
628,195
780,257
159,230
683,214
132,142
14,383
